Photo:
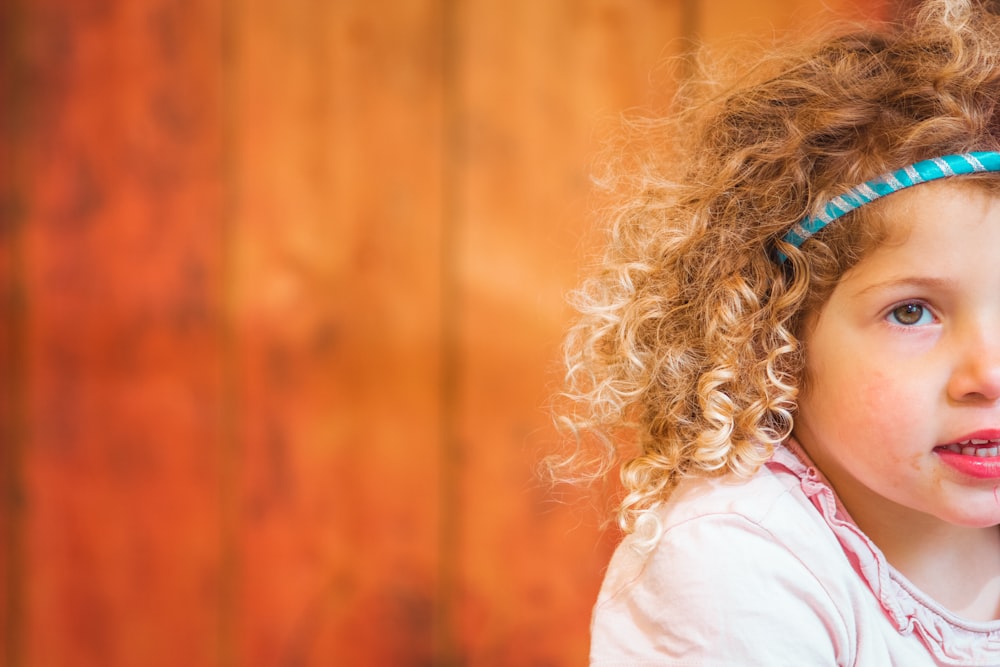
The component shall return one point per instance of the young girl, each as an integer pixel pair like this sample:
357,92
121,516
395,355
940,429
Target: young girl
799,316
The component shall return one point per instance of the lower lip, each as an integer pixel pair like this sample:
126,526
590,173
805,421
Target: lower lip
980,467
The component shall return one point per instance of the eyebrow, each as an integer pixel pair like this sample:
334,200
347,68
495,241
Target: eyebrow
925,282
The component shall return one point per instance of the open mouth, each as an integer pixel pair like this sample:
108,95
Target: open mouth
975,458
980,448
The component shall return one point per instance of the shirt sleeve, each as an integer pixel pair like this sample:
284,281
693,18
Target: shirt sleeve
717,590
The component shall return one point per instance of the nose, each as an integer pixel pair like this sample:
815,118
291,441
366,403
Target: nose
976,375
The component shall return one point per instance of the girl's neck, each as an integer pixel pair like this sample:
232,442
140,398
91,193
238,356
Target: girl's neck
957,566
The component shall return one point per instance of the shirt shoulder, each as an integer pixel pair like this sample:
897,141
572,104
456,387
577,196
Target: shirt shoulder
738,576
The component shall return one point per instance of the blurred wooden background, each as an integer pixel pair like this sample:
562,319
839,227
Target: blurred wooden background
282,288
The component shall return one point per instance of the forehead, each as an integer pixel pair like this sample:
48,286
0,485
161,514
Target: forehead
935,227
955,205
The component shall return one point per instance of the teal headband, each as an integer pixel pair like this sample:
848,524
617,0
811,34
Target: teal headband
921,172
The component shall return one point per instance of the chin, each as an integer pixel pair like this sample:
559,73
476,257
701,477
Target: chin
969,518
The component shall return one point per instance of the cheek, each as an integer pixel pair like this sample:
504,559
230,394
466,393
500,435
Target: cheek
883,417
879,399
869,406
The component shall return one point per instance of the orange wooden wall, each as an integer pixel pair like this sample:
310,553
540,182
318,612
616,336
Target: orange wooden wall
282,289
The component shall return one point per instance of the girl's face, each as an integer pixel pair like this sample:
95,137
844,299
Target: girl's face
901,408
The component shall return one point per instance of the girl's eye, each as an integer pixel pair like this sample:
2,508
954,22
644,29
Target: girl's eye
911,314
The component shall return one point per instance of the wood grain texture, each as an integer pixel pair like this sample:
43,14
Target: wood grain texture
120,267
338,305
528,569
12,338
728,20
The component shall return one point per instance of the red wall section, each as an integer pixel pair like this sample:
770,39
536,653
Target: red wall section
116,164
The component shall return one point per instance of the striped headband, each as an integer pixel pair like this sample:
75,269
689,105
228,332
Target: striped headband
920,172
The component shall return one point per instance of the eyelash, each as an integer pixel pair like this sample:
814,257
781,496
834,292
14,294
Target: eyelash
925,310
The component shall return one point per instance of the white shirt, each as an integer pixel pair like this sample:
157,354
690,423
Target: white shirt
771,571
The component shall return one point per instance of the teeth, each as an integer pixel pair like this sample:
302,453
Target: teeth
974,448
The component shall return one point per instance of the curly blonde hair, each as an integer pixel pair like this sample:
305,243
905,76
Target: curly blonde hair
688,338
